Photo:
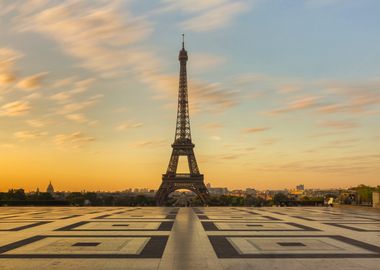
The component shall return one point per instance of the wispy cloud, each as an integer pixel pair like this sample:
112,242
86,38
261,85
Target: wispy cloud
341,124
77,87
77,117
8,59
348,164
15,108
302,103
215,138
203,96
29,135
74,140
37,123
149,144
207,15
212,97
32,82
269,141
255,130
95,33
126,126
8,145
212,126
75,107
201,62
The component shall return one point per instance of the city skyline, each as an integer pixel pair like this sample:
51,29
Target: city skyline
88,92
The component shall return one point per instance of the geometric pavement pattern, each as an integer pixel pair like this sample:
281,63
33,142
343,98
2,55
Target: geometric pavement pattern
189,238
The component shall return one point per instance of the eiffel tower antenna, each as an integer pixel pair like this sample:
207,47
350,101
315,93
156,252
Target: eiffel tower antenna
182,146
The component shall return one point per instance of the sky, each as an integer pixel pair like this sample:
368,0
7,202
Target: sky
282,92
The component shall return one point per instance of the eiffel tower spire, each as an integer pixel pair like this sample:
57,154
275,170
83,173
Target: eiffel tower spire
182,132
182,146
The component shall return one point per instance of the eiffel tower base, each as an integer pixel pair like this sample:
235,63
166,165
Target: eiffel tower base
171,184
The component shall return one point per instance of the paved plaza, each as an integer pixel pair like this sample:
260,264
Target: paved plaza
189,238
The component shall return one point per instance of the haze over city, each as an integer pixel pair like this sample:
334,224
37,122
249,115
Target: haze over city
281,92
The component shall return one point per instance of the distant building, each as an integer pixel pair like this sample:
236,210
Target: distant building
208,185
251,191
50,189
218,191
237,193
300,187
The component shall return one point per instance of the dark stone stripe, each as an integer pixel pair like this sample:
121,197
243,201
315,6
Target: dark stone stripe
340,225
34,224
72,226
164,226
153,249
209,226
224,249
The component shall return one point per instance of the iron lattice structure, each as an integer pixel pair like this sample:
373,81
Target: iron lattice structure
182,146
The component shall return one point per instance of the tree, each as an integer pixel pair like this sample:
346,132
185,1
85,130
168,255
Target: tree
280,198
16,195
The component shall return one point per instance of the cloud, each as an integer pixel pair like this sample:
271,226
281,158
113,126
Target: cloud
351,98
298,104
269,141
63,82
15,108
230,156
203,96
75,139
206,15
126,126
8,59
32,82
28,135
7,78
211,97
33,96
36,123
339,124
78,117
212,126
347,164
61,96
71,108
254,130
149,144
107,43
358,106
342,143
8,146
215,18
215,138
78,87
92,32
205,61
326,134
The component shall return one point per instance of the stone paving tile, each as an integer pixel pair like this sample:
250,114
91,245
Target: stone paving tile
189,238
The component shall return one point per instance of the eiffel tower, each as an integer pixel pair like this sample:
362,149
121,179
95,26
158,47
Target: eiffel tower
182,146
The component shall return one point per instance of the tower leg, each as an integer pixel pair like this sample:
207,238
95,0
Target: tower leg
166,188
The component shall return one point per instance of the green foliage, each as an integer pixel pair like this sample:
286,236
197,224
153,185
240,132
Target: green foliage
364,193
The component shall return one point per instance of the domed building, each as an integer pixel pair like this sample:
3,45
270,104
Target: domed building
50,189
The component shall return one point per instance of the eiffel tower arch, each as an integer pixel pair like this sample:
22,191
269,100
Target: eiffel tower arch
182,146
